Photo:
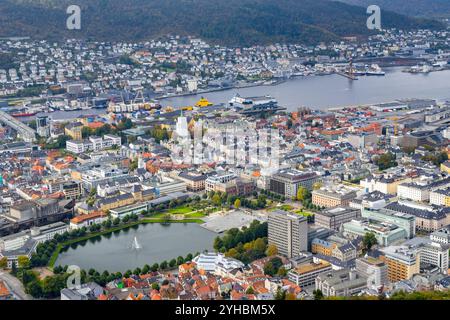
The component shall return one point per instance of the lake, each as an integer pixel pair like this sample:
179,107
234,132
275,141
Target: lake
159,242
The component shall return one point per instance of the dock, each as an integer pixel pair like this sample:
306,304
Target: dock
346,75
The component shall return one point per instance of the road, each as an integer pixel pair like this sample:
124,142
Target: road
15,286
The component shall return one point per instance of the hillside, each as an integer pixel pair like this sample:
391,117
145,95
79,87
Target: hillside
419,8
231,22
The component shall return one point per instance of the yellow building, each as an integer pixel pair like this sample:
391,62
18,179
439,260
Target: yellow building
74,130
116,202
319,246
447,201
402,263
445,167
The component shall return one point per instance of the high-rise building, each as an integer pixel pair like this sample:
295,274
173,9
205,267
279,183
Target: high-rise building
43,126
289,232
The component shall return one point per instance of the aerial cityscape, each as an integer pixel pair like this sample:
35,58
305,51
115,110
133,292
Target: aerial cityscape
167,164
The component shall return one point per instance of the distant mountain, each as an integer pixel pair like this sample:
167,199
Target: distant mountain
231,22
418,8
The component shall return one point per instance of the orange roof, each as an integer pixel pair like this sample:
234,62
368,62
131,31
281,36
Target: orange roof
86,217
102,297
96,124
156,297
3,290
256,174
37,168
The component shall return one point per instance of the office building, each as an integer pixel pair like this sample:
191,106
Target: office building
306,274
289,232
340,283
375,270
286,182
329,198
403,262
333,218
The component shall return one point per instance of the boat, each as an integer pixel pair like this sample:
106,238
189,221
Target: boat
255,105
23,114
375,70
203,102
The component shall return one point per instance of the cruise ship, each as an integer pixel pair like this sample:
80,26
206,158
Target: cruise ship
255,105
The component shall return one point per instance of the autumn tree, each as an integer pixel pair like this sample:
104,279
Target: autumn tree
272,250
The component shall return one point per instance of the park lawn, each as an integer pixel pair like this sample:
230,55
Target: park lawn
195,215
159,215
180,210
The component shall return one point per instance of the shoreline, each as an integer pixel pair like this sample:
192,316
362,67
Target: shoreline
61,246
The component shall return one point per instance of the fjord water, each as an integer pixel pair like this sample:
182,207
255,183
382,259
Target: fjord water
323,92
158,242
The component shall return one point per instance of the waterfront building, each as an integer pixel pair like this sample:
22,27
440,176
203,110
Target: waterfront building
87,220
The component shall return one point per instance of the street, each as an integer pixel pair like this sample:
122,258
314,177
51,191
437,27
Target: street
15,286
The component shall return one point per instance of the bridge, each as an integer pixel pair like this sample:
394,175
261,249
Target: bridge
24,131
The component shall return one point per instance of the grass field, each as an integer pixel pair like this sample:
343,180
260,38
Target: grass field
179,210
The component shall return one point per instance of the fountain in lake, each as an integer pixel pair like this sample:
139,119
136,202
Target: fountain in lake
136,245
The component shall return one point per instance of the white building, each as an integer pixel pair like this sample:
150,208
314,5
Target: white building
216,263
93,144
413,191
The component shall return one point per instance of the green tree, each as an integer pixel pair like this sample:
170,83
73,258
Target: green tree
318,295
369,240
217,200
163,265
23,262
237,203
146,269
155,286
34,289
303,194
154,267
3,263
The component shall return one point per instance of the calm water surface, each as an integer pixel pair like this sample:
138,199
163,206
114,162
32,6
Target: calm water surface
159,242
